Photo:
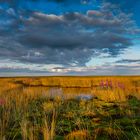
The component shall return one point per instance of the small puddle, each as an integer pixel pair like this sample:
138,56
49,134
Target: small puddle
84,97
62,94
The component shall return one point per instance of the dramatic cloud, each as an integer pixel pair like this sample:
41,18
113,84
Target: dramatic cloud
33,39
67,39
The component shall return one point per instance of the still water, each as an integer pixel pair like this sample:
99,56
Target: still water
63,93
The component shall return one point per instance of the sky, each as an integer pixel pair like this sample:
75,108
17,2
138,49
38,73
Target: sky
69,37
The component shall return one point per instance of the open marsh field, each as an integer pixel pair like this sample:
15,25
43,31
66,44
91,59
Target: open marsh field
70,108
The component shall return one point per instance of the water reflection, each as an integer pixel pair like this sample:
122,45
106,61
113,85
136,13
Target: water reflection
70,93
54,92
84,97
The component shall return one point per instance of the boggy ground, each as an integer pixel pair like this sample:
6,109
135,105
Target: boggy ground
28,113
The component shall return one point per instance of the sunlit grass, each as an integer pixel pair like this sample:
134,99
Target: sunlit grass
32,109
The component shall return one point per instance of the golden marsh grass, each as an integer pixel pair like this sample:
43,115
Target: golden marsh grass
49,108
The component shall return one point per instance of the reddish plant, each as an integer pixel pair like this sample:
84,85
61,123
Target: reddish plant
2,102
109,84
102,84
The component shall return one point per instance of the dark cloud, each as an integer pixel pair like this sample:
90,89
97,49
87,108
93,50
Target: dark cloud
128,61
68,39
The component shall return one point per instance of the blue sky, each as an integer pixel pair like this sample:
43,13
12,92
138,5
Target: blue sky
69,37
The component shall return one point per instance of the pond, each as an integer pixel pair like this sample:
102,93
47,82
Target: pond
70,93
62,93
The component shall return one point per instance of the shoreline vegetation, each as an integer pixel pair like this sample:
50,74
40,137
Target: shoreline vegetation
70,108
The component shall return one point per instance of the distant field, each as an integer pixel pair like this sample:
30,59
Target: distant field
119,86
70,108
